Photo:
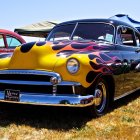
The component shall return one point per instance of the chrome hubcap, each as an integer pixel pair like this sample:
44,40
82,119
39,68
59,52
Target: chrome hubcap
100,97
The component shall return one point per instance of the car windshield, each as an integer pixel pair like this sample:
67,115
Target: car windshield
83,31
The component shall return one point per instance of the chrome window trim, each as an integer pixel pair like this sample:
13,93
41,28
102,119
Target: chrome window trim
96,23
73,31
76,25
61,26
101,23
133,29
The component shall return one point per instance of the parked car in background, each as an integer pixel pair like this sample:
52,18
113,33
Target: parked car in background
83,63
9,40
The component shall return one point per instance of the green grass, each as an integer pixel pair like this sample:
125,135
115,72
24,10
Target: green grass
20,122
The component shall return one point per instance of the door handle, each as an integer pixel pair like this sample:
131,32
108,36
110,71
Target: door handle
137,50
118,64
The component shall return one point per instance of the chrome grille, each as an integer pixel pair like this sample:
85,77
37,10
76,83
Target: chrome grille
32,81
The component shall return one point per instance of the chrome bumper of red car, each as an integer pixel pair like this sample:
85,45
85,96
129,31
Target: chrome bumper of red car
51,100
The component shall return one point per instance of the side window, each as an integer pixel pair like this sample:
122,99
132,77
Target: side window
2,45
137,39
125,36
12,42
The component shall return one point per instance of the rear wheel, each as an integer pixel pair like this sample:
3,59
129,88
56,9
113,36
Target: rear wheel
101,103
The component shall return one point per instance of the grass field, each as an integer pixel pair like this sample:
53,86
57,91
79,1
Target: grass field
50,123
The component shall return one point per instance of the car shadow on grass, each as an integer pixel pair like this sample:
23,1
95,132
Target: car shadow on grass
53,118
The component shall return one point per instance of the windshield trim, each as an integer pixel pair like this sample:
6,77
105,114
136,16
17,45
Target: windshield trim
74,30
47,39
76,25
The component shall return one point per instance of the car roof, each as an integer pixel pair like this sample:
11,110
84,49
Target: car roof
4,31
110,21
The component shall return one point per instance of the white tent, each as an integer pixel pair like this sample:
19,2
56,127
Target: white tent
41,29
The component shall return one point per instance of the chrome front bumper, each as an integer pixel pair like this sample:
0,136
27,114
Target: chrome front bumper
52,100
49,99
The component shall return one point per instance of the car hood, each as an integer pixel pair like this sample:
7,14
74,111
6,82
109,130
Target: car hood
50,56
45,55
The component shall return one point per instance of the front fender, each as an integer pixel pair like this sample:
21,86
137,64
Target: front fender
89,69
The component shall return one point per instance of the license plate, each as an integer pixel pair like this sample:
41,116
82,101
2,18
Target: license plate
12,95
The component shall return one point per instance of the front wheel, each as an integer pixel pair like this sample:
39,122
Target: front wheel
101,94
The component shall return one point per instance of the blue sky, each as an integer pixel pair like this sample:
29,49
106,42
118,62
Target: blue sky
18,13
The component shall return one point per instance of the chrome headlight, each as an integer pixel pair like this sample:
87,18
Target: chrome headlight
72,65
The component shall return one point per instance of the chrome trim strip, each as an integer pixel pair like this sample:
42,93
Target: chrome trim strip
68,83
133,29
109,23
29,72
18,82
79,22
34,72
125,94
73,31
52,100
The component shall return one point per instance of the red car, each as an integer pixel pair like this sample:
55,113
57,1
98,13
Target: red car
9,40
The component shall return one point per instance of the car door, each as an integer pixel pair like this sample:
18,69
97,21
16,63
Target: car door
128,47
2,44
